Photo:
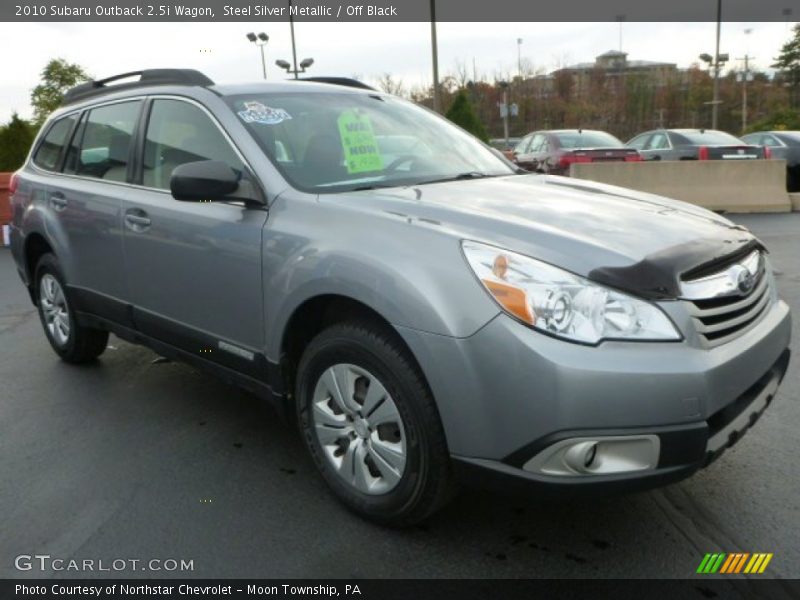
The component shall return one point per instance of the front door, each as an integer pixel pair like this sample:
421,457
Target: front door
193,268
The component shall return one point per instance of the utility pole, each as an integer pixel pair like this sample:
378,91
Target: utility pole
519,59
620,20
437,99
504,110
715,105
745,78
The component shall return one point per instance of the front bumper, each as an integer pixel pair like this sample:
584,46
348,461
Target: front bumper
507,393
683,449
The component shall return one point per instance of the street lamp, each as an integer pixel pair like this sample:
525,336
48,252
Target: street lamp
716,64
304,64
260,40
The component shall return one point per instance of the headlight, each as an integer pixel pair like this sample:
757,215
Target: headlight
560,303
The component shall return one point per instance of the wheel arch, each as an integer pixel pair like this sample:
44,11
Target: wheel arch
35,246
314,315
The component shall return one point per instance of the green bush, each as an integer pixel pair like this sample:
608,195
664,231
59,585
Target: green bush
781,120
16,138
462,114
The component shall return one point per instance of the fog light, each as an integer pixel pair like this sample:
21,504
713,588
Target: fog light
604,455
579,457
590,454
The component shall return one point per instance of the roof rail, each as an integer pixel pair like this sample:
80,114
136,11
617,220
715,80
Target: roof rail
147,77
345,81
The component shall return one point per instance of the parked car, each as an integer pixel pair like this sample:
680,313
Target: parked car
506,147
784,145
694,144
433,318
554,151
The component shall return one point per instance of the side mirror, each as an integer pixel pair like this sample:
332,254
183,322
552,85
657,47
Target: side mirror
203,180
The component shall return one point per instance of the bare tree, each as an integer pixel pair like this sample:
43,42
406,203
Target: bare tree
390,85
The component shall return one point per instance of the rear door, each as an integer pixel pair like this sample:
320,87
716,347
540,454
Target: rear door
86,201
194,269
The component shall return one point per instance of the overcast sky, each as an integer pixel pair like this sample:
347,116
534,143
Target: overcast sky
366,49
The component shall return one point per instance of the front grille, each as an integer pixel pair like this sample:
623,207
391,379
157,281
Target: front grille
722,319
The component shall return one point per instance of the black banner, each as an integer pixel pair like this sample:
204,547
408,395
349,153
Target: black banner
506,589
395,10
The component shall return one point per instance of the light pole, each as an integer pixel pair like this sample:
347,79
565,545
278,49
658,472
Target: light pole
715,105
715,63
304,64
260,40
505,110
437,99
745,79
519,58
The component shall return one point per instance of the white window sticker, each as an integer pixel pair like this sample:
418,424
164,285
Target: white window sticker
255,112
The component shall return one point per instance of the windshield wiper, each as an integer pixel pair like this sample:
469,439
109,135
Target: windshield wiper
374,186
459,177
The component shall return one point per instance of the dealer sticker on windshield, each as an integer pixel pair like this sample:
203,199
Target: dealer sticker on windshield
361,151
255,112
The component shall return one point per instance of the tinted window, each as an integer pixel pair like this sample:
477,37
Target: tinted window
711,138
587,139
791,139
768,140
50,149
101,145
179,132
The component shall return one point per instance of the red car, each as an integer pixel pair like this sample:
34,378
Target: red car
554,151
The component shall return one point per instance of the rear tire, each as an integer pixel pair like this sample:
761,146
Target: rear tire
371,424
73,342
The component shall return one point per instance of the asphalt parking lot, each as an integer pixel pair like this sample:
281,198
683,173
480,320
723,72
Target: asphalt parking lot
137,458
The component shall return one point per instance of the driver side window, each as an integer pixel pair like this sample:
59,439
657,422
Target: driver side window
177,133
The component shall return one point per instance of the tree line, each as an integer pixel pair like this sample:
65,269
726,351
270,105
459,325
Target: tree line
635,103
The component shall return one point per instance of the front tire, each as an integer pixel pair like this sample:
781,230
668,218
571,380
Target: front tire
371,424
73,342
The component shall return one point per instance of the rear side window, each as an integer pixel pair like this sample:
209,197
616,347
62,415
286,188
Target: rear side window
49,150
101,145
177,133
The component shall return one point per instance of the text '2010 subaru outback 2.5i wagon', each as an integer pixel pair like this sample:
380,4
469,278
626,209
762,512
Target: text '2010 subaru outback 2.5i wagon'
425,312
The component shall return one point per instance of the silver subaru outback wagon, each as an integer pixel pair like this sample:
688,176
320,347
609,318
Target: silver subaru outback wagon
424,312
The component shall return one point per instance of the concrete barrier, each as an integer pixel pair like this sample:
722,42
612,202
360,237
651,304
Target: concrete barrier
723,185
795,198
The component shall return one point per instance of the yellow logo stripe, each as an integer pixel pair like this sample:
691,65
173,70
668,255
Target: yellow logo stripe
765,563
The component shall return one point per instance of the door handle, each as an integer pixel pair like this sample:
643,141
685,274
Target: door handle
57,201
137,222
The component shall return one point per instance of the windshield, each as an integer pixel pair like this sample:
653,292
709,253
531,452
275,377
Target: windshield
332,142
711,137
587,139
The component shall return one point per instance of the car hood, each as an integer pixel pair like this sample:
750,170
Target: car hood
631,240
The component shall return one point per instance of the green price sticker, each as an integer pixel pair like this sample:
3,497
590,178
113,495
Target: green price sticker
361,150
